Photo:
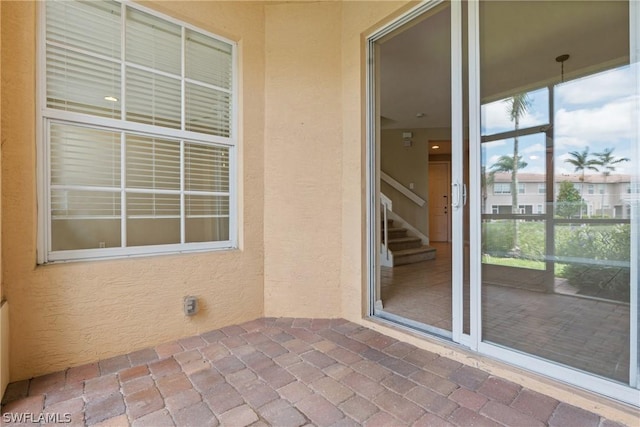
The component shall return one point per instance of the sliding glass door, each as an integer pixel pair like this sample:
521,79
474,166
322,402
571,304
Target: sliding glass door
534,108
559,196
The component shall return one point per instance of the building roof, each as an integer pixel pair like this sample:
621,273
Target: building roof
575,178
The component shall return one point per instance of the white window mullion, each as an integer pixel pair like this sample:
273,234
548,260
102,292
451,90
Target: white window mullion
123,68
47,174
123,137
123,192
183,207
183,102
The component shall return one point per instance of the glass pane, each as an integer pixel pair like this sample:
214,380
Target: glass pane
415,253
93,26
506,190
207,218
84,156
82,83
153,99
208,110
153,219
152,163
153,42
84,219
206,168
594,137
498,116
556,234
208,60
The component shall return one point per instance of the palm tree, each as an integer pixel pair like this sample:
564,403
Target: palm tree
506,164
606,161
581,162
517,106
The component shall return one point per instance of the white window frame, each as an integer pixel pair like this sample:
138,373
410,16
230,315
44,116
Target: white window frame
501,188
46,115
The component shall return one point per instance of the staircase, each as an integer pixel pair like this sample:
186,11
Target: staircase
406,249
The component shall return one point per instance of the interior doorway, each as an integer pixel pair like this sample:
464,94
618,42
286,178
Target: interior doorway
439,209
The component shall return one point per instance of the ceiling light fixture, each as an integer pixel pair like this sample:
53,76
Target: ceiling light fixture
420,115
435,147
561,60
111,98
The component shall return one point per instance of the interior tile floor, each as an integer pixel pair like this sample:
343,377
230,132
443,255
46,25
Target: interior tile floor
285,372
588,334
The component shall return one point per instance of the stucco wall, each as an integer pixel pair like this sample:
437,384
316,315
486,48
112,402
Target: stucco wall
68,314
303,168
314,156
359,19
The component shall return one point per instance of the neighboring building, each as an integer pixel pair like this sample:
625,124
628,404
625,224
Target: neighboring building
608,197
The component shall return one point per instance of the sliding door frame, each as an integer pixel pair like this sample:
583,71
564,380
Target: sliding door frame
627,393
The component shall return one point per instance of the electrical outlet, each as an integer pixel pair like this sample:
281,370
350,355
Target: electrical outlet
190,305
102,245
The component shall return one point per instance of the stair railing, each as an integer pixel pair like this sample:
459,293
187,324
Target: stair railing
386,206
402,189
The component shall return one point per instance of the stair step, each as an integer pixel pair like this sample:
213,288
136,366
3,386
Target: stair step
404,243
410,256
397,232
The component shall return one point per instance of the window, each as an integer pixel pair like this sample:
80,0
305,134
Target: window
591,189
539,209
600,188
521,187
542,188
494,209
502,188
139,140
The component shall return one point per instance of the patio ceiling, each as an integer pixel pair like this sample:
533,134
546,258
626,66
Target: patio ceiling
415,63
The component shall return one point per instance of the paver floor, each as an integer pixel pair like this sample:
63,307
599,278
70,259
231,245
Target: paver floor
284,372
585,333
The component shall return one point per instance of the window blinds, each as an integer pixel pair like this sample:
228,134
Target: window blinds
87,68
111,60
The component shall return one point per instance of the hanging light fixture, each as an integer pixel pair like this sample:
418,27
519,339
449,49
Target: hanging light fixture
561,59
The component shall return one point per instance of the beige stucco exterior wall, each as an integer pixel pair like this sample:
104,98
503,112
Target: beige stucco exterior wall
69,314
314,156
303,168
359,19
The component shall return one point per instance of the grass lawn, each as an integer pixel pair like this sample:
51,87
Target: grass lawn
522,263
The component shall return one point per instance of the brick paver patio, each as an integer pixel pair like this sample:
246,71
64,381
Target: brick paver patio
286,372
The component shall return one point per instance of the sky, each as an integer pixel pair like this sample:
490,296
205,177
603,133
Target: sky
598,111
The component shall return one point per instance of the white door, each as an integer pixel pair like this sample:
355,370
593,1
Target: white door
439,204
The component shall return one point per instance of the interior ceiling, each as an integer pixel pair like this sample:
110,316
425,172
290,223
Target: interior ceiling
519,41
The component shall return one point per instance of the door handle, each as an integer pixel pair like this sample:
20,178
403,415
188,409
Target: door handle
455,195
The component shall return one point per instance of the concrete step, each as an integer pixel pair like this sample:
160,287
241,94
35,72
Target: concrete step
404,243
410,256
